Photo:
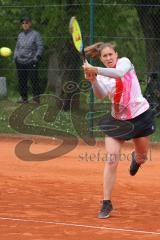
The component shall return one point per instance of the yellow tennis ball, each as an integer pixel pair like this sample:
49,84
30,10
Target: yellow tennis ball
5,52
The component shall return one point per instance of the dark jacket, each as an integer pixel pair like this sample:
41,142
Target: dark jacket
29,47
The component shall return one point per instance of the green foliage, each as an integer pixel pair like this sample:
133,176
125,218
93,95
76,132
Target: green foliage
112,21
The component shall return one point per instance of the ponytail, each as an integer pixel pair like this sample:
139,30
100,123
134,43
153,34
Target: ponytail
94,50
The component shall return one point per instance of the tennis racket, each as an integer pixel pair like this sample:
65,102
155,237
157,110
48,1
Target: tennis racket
75,31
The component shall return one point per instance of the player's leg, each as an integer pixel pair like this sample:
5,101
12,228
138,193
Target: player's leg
113,148
139,156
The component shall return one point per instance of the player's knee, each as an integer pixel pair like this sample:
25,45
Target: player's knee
112,159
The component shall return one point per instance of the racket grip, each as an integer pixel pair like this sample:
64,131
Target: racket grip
83,56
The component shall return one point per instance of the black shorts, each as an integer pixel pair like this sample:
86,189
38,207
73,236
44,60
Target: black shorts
140,126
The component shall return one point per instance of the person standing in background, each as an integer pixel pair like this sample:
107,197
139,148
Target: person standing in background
27,54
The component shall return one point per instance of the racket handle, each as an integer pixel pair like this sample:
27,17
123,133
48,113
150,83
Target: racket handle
83,56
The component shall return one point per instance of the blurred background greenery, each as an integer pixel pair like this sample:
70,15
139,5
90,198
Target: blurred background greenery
132,24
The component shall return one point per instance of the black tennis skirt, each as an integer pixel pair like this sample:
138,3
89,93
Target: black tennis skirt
140,126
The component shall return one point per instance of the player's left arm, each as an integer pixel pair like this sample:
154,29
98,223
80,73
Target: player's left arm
40,46
123,66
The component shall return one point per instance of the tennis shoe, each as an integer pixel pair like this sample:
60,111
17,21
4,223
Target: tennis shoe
106,209
134,167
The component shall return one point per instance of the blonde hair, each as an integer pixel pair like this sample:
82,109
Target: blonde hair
95,49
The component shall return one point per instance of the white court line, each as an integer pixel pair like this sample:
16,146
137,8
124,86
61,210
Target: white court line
79,225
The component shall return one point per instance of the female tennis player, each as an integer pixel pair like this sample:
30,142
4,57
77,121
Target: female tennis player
130,118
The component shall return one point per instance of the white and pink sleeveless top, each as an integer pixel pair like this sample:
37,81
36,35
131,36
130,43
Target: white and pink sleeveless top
122,87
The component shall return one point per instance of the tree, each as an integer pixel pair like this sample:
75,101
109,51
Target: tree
149,16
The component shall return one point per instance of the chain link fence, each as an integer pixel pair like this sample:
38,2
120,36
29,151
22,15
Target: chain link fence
133,25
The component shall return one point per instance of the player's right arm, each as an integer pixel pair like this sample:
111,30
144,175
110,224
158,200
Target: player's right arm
15,55
101,88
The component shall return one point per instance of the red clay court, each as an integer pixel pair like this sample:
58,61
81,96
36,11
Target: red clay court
59,199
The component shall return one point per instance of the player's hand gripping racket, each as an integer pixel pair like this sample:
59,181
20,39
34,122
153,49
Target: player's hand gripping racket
75,31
